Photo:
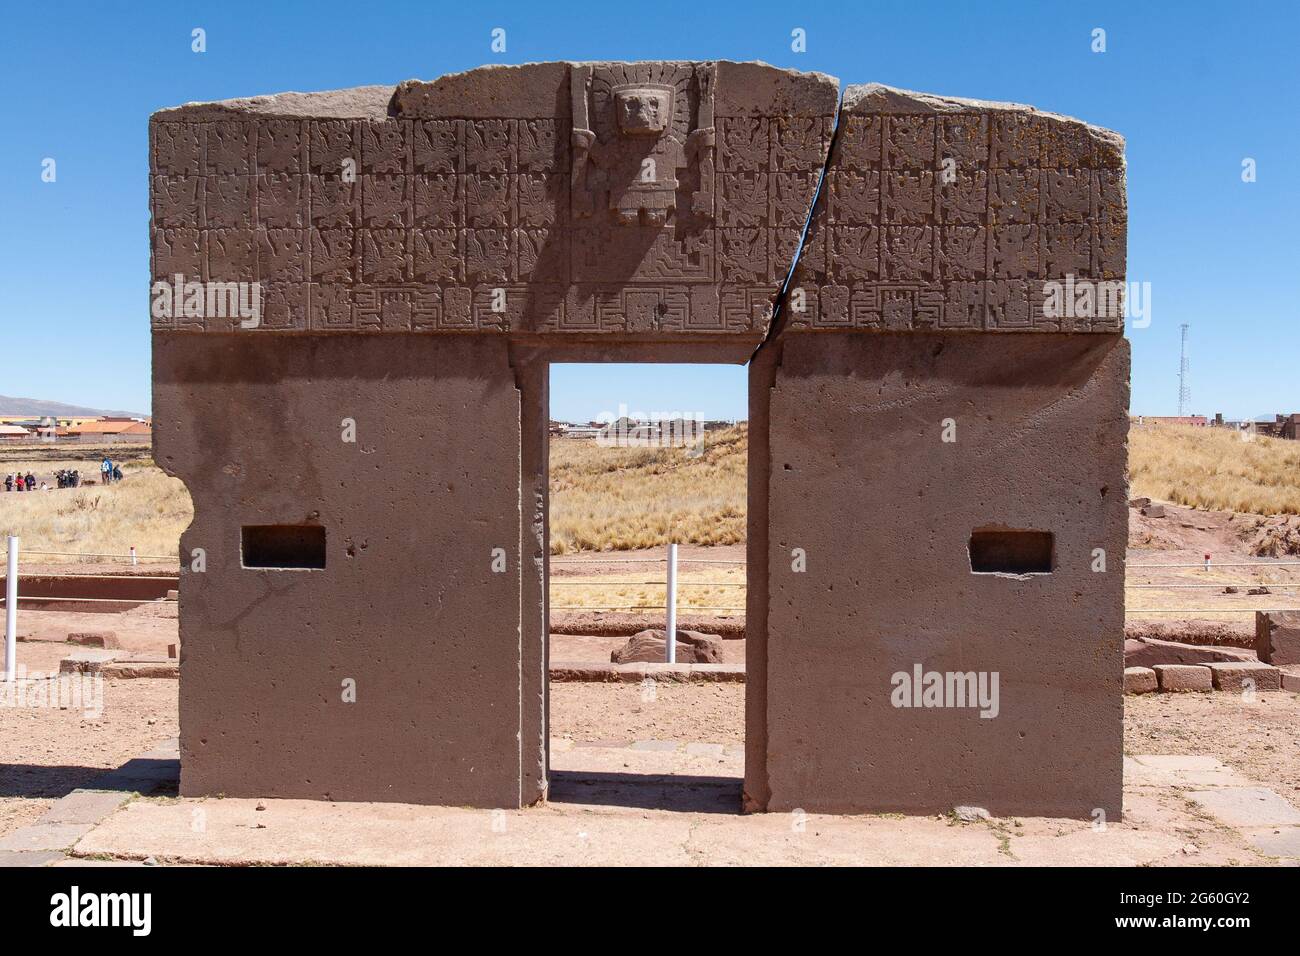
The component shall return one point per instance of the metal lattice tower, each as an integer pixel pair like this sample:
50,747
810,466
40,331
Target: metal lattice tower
1184,390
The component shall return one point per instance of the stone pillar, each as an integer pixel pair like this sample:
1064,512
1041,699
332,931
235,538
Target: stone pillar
393,672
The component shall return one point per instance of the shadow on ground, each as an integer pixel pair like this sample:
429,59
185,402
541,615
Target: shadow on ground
673,792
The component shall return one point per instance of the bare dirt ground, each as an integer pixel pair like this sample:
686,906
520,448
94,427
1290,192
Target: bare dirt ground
46,752
1260,738
708,713
149,627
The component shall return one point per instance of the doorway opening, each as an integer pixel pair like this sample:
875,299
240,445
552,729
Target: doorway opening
642,457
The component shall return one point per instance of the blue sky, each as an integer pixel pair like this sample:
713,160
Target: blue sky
1195,88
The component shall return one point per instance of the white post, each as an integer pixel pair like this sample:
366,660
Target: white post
11,611
671,643
1207,561
133,561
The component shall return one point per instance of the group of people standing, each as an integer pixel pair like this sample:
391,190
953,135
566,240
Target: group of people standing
109,472
20,482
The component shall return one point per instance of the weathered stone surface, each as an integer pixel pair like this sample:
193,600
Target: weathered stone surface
84,806
860,480
647,199
1180,770
132,670
1140,680
100,639
649,647
17,858
44,837
1247,806
86,661
1150,651
1277,637
963,215
1278,841
1233,676
407,610
1174,678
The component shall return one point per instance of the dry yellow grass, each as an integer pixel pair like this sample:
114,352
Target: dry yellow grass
147,510
1215,468
709,588
614,499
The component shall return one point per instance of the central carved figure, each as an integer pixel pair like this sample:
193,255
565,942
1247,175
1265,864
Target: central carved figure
632,140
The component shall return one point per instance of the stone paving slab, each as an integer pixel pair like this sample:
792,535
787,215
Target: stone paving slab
16,858
615,805
1247,807
1178,770
705,750
665,745
650,832
665,802
1280,842
74,861
85,806
44,836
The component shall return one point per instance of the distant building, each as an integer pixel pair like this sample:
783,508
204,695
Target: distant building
1291,426
111,430
14,433
1282,426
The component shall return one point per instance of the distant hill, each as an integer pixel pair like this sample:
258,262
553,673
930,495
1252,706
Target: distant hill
35,408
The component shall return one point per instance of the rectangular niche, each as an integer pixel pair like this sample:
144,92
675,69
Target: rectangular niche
284,546
1010,551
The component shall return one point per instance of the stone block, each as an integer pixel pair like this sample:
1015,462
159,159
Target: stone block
1150,651
1140,680
105,640
1277,637
1233,676
1175,678
649,647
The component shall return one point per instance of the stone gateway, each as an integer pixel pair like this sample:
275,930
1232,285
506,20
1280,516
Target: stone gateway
937,438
